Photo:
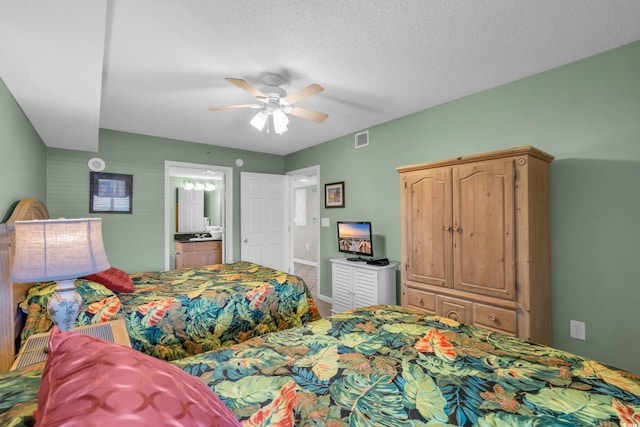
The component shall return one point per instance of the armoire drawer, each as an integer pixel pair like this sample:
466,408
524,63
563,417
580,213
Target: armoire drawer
454,309
423,300
494,318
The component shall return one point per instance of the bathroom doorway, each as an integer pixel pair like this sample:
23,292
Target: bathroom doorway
175,175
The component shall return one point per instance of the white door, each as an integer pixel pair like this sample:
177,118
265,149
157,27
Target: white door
190,211
264,219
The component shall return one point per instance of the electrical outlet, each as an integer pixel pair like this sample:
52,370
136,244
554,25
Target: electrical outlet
577,330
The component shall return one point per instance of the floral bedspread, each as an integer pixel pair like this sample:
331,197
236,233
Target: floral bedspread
392,366
178,313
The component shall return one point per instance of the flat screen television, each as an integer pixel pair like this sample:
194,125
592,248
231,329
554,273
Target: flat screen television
355,238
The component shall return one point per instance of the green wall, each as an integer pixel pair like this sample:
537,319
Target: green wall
586,114
23,161
136,242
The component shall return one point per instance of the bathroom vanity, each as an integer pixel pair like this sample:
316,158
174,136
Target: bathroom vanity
197,251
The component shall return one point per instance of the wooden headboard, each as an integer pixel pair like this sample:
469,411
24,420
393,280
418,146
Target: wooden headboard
10,293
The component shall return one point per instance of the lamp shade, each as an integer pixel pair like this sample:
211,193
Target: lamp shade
58,249
280,121
259,120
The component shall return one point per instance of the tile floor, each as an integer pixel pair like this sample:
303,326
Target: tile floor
309,275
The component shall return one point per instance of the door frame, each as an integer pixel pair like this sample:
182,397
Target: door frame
227,239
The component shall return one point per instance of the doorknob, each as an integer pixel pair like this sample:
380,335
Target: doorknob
245,240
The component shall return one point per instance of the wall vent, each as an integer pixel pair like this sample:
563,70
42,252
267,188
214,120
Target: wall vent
362,139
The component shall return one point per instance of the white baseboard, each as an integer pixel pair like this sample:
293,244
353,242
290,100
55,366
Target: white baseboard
305,262
325,298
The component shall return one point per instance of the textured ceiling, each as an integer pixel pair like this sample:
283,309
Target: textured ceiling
154,67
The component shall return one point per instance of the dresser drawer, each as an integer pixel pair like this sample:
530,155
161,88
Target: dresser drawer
423,300
495,318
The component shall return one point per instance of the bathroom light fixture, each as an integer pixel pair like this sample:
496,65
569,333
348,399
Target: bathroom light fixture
188,184
59,250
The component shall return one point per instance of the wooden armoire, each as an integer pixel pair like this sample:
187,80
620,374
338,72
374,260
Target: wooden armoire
476,240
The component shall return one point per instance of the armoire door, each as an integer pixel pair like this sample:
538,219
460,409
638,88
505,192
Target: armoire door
484,228
427,227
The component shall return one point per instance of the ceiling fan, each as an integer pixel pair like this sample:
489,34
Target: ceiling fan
274,103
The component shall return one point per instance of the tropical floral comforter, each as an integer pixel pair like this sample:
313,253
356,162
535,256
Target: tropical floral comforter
178,313
392,366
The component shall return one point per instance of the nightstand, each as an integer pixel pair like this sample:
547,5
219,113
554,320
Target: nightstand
34,349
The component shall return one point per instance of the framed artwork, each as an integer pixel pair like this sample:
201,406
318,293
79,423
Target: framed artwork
334,195
110,193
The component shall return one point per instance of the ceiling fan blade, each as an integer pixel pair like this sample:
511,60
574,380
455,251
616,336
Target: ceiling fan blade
309,114
312,89
233,107
244,85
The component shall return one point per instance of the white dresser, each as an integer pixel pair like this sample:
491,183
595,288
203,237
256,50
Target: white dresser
358,284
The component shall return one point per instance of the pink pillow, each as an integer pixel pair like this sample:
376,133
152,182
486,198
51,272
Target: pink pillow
88,381
114,279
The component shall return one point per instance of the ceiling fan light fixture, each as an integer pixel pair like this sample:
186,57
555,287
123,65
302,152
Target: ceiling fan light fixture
280,121
259,120
275,103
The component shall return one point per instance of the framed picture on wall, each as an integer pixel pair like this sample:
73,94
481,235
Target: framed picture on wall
110,193
334,195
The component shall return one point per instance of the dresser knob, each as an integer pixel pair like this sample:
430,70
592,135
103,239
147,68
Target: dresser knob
492,317
419,299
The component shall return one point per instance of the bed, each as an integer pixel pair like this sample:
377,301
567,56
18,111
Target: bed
170,314
178,313
387,366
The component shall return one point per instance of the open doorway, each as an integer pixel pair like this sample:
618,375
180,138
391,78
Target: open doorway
305,226
221,212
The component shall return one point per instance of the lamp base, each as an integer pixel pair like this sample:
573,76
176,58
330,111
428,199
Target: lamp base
64,304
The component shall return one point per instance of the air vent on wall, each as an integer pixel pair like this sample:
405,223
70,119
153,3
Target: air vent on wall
362,139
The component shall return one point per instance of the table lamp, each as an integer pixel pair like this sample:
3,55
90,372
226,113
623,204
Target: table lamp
59,250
